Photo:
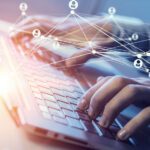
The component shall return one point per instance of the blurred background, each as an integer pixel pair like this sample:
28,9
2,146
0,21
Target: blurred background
9,9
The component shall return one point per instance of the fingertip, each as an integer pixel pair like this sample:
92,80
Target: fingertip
104,122
122,135
82,105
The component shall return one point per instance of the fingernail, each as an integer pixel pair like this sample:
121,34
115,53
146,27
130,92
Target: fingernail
104,122
82,104
122,135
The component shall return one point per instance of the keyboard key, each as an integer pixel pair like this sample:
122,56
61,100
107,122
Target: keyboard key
52,105
72,100
71,95
49,97
61,98
60,120
75,123
78,95
37,95
42,84
65,105
89,126
46,115
41,102
58,92
43,108
45,90
106,132
56,113
70,114
114,130
34,89
83,116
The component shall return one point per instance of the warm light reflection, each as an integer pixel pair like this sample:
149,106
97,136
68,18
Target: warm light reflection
5,83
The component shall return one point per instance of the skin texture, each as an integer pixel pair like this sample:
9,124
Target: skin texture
111,94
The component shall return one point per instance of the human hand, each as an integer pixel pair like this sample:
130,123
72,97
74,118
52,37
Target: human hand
113,94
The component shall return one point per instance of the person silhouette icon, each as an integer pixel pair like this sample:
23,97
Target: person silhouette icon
73,4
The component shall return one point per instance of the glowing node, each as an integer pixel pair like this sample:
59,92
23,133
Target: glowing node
138,63
36,33
72,12
56,45
94,51
23,13
56,39
73,4
135,36
111,10
139,55
42,37
11,28
148,54
23,7
12,34
50,36
147,70
130,39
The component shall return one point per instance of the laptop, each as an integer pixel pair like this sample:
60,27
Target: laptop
42,98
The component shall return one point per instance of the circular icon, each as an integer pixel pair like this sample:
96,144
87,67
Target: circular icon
73,4
138,63
135,36
36,33
111,10
23,7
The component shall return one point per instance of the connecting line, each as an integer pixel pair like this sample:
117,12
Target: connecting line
128,44
118,25
121,62
37,46
103,31
114,59
54,28
24,31
34,21
81,30
18,19
120,38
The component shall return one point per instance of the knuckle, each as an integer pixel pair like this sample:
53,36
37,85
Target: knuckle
109,110
133,89
120,80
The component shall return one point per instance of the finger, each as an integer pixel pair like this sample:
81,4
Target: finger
121,100
79,58
105,94
101,77
26,30
85,100
141,120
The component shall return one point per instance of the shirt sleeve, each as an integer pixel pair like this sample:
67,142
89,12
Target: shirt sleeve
137,47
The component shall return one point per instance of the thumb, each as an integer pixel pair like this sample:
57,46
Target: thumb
79,58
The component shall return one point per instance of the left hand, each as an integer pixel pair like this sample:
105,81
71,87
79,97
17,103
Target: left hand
113,94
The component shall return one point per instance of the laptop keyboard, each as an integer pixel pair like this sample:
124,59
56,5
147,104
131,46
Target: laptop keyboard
57,96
